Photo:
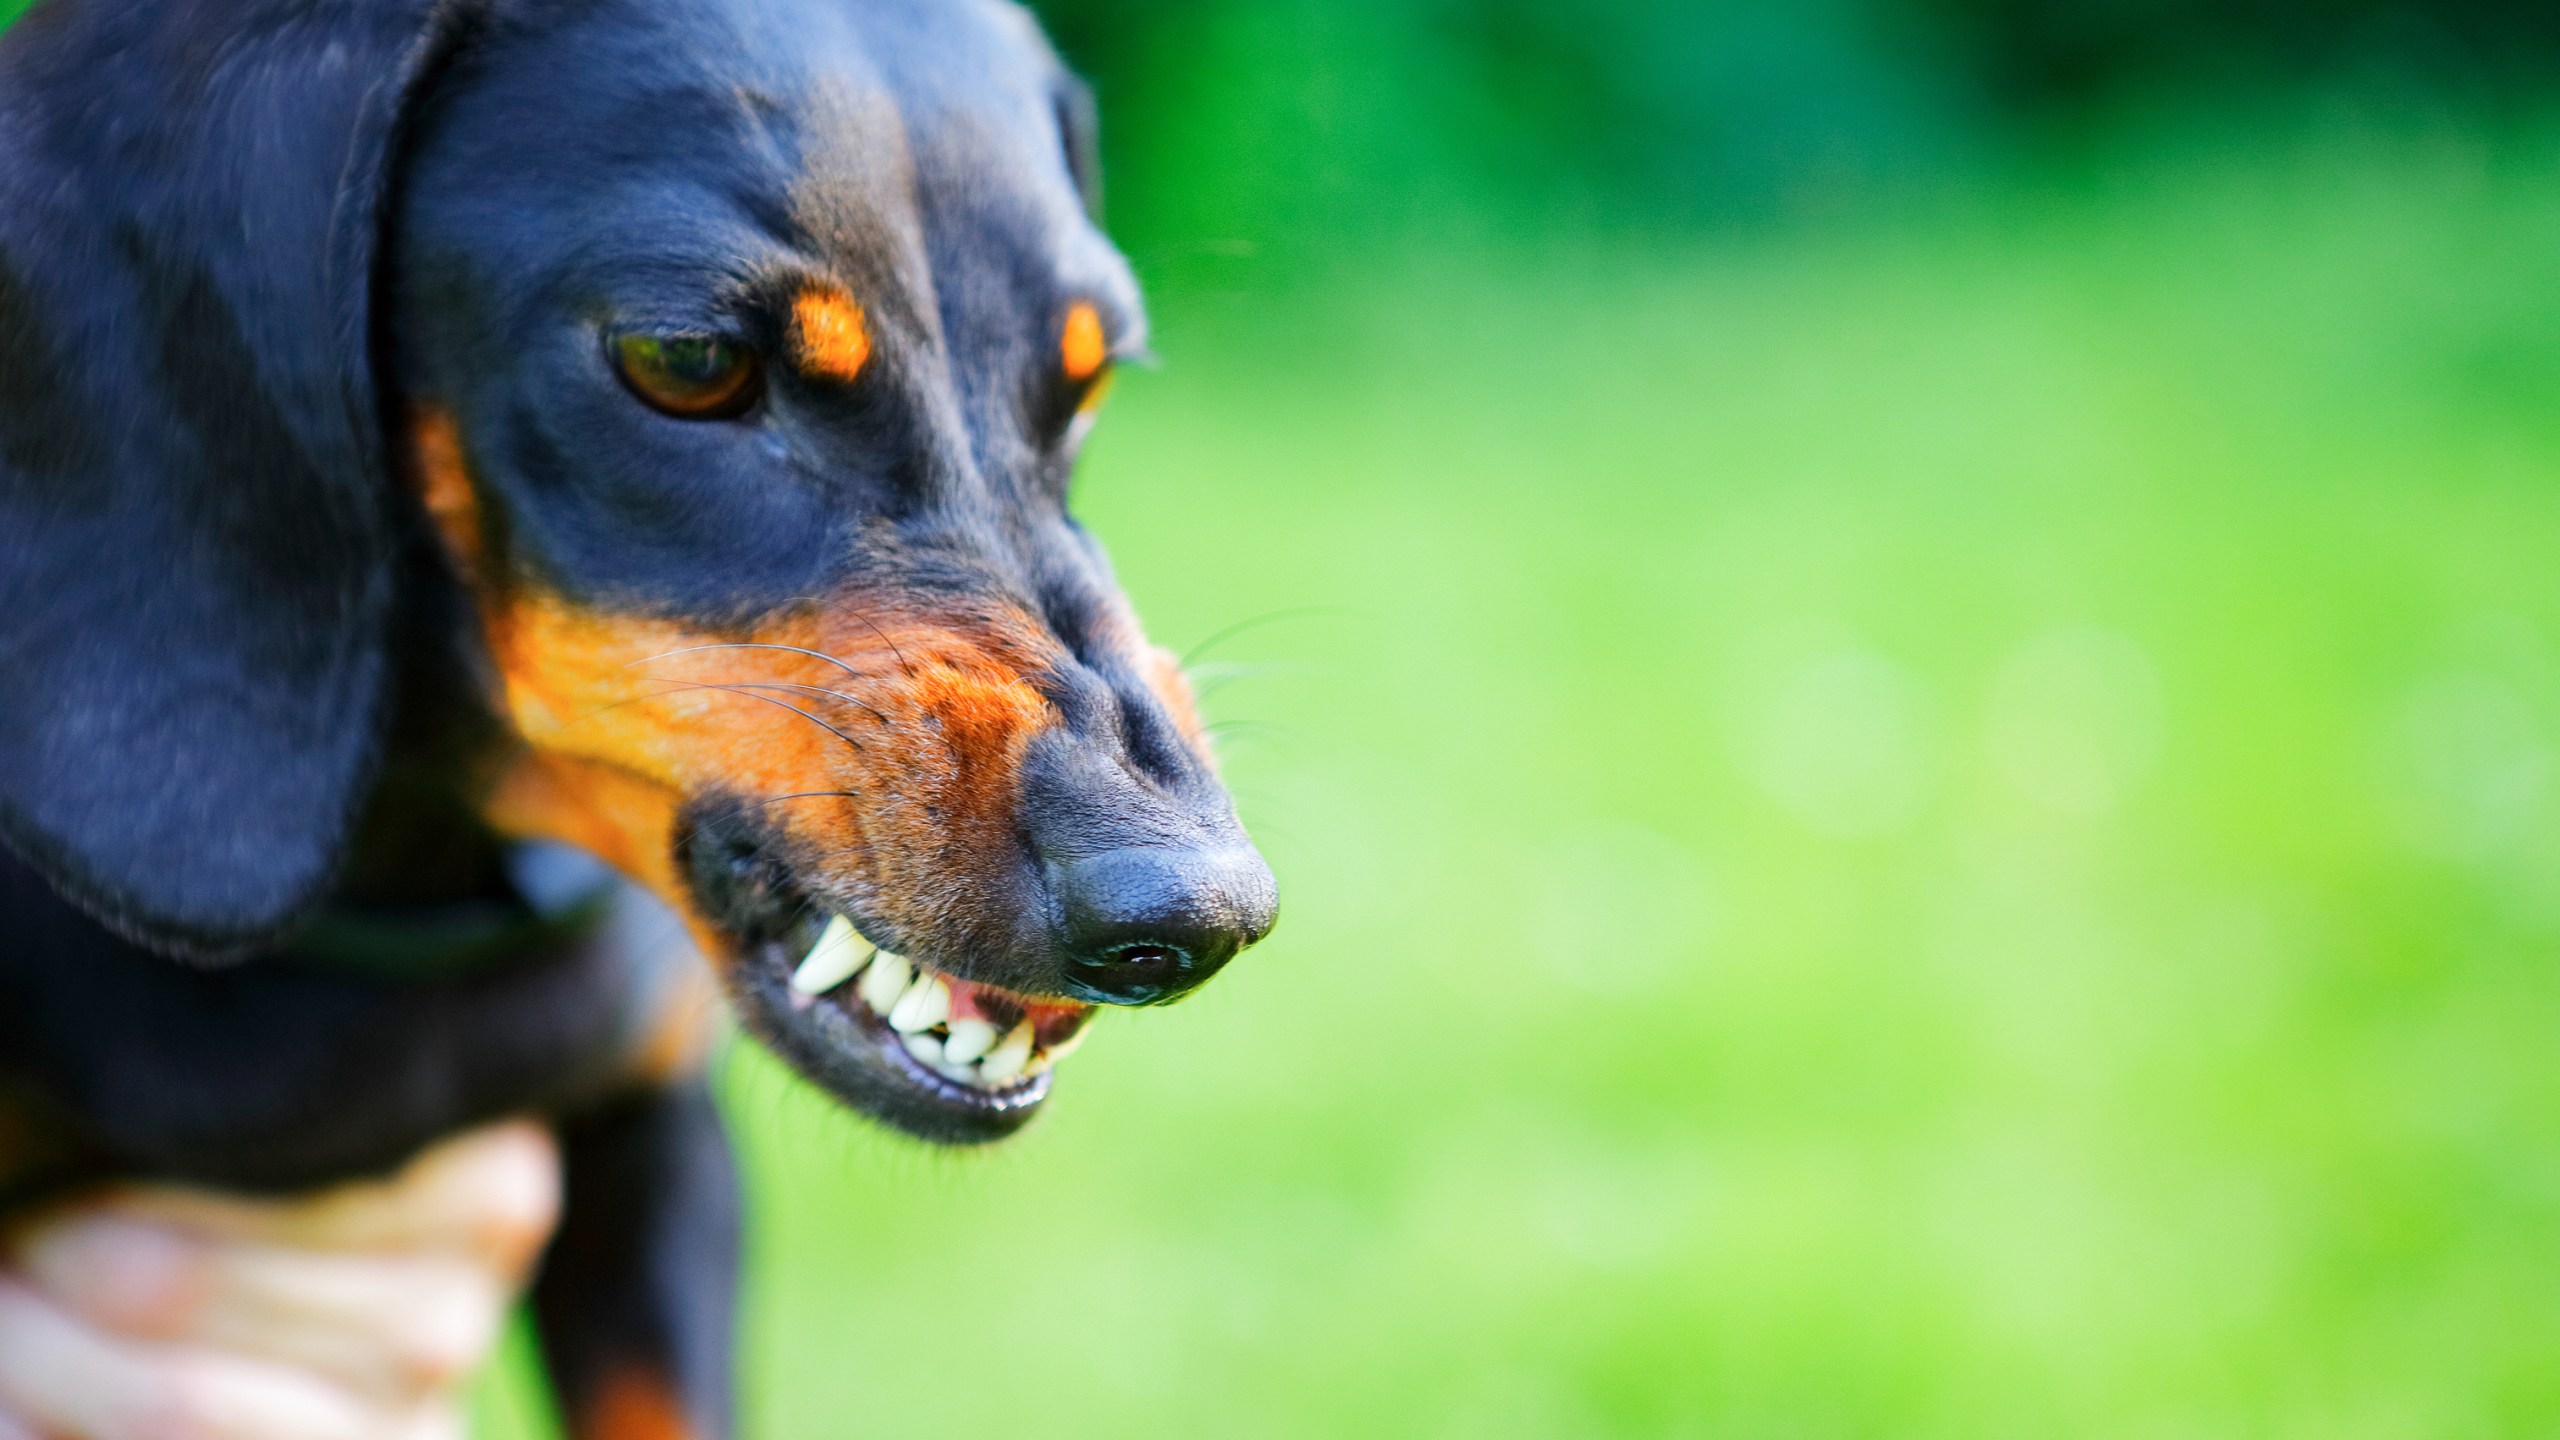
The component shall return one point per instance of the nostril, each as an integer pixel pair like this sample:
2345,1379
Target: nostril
1147,924
1135,974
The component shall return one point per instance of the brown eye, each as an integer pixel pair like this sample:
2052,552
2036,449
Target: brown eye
692,377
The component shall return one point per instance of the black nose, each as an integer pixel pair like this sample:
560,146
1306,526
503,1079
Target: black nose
1149,923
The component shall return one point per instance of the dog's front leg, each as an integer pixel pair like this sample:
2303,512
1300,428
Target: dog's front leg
634,1299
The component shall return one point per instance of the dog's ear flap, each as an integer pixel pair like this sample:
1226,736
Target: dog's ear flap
195,508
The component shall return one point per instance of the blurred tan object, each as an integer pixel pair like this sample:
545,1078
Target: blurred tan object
356,1313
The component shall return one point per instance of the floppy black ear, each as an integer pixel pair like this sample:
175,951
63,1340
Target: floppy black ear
194,500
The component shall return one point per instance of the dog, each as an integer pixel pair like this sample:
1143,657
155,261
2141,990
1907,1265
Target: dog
442,441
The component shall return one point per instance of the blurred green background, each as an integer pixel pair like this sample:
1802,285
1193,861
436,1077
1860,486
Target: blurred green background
1902,663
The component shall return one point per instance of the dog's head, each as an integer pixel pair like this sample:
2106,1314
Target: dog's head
733,357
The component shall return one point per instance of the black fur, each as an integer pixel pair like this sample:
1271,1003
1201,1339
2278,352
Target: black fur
292,1071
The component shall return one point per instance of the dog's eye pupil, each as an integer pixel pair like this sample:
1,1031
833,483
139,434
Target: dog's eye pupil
692,377
694,361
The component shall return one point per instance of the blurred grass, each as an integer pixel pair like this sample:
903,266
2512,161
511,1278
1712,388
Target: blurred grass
1942,826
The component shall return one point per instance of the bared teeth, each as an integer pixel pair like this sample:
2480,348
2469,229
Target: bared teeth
885,981
1005,1063
839,953
926,1004
970,1040
974,1050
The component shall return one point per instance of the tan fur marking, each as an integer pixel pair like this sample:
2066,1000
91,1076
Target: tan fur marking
1082,346
901,751
444,488
829,335
633,1405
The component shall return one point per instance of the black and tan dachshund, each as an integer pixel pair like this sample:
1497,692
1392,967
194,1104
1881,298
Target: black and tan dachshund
443,438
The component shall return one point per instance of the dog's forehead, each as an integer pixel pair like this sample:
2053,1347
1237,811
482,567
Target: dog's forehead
915,146
939,151
916,107
964,139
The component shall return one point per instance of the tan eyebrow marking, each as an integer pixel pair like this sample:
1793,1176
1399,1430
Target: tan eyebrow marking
828,334
1082,347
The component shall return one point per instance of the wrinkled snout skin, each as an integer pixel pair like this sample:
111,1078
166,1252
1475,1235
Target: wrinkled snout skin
843,651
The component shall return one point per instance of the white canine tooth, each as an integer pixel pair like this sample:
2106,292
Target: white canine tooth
1006,1061
840,952
926,1004
924,1048
969,1040
885,981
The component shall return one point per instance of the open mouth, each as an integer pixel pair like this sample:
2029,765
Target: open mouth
945,1016
957,1045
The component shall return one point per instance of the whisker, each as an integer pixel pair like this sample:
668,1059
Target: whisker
1235,669
854,700
765,645
903,667
1229,735
809,795
1208,680
1271,617
750,694
677,687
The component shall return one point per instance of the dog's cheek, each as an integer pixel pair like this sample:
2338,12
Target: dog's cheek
624,720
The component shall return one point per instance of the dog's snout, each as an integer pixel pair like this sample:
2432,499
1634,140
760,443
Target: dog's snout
1149,923
1151,883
